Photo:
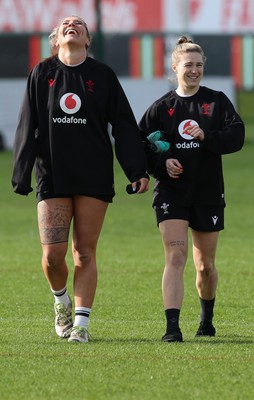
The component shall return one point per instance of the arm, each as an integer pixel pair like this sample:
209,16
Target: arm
128,146
24,143
230,137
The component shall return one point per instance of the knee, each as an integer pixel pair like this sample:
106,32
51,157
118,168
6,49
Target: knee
83,257
176,261
206,268
52,257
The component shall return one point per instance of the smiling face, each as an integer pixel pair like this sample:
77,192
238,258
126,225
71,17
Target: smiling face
189,71
72,30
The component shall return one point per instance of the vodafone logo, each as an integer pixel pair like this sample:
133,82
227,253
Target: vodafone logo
70,103
183,125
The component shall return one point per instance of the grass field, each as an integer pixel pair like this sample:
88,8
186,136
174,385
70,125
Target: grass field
126,359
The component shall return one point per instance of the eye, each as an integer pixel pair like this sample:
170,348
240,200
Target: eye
76,22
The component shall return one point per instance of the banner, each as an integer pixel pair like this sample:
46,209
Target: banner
42,15
132,16
211,17
123,16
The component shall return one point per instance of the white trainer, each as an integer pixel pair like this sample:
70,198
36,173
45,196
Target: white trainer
79,334
63,320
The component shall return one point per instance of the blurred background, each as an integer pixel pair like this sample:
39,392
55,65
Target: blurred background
134,37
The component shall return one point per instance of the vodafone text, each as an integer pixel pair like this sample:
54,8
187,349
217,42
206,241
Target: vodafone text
186,145
69,120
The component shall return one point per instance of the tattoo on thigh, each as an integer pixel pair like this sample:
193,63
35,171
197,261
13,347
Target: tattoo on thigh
54,235
54,223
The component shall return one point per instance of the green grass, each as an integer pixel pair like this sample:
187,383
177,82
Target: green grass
126,359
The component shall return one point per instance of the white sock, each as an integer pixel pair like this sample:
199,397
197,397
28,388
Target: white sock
81,316
61,296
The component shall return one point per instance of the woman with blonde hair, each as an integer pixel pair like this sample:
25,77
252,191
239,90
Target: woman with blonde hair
63,131
200,125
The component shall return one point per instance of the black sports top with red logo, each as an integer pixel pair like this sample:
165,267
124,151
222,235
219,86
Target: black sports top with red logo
201,182
63,131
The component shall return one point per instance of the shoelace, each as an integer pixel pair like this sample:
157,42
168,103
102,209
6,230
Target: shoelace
78,330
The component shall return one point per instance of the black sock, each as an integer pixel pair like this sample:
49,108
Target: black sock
206,310
172,316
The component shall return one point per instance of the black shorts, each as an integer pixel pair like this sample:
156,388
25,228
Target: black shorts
49,195
200,218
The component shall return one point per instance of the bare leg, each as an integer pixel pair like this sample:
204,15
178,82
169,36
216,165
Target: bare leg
54,217
89,215
175,241
204,250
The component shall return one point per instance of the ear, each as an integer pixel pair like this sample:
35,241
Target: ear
174,68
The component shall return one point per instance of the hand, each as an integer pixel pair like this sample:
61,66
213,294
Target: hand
174,168
144,185
195,131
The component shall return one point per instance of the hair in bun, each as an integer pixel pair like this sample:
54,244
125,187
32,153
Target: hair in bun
185,45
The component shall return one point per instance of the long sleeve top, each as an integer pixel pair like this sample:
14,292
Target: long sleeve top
201,182
63,131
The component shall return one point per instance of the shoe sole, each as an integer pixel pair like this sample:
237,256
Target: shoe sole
77,340
203,332
172,339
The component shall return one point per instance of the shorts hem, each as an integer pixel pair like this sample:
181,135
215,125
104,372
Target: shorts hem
48,195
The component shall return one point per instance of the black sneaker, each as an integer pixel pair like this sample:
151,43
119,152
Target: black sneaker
205,329
173,336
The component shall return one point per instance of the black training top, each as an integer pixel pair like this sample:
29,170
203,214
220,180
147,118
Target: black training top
201,182
63,131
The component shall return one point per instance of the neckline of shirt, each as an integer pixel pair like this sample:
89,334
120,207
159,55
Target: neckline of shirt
182,95
186,96
72,65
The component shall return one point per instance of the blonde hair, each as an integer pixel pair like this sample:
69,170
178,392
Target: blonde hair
52,41
186,45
